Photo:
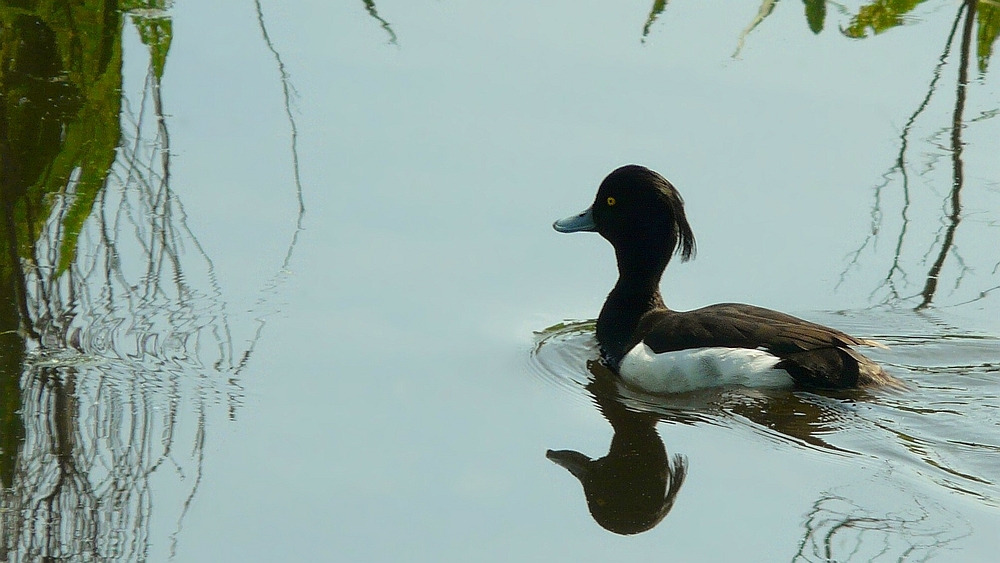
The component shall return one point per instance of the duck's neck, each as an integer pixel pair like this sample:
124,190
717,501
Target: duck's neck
636,293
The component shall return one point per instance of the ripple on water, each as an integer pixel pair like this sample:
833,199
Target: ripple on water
562,352
567,356
126,392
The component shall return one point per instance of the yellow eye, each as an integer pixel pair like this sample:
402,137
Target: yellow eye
611,202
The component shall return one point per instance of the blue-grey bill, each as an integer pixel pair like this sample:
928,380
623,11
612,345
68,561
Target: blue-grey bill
579,222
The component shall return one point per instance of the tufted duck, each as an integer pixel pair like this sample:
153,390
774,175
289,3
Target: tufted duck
663,351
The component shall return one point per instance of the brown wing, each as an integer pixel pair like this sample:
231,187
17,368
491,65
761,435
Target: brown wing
815,355
735,325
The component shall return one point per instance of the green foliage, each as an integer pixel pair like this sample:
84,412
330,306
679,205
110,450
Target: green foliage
155,33
89,147
60,105
883,15
880,16
658,7
815,14
155,29
988,18
60,101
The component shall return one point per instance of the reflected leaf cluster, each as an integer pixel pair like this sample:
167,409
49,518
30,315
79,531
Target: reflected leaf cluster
115,342
874,17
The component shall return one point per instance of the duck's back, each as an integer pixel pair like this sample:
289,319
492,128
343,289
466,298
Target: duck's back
737,344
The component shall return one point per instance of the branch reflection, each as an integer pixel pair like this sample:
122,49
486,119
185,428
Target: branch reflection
851,527
899,282
957,166
115,341
373,12
926,249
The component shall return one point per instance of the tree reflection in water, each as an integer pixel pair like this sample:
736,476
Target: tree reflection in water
902,280
116,342
848,528
373,12
926,249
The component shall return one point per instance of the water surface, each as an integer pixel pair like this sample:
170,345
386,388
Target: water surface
280,281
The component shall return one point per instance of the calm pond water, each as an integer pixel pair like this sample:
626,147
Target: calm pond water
280,281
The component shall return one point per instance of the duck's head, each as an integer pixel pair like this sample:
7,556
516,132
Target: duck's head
639,212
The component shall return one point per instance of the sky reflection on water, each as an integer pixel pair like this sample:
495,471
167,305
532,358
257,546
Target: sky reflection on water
298,319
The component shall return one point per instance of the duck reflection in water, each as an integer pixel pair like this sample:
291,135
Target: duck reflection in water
631,489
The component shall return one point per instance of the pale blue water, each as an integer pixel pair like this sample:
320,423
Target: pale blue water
332,342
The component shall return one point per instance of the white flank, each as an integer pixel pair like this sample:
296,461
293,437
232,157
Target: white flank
700,368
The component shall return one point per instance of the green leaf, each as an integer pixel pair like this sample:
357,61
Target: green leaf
658,6
988,18
815,14
60,106
155,33
880,16
90,145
